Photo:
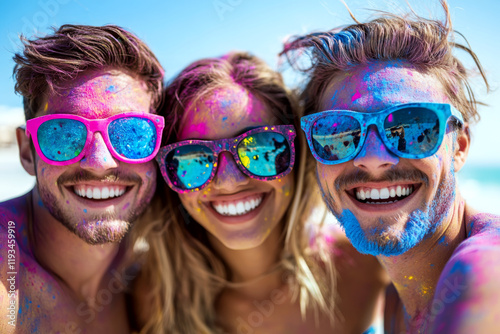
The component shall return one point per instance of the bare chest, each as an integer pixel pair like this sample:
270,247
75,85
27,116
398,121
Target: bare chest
46,306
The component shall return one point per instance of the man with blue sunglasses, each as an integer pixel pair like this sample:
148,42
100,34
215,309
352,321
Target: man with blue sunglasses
90,138
387,110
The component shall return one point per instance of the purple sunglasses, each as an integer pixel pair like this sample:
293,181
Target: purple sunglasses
63,139
264,153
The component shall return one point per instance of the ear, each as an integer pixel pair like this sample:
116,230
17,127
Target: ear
462,145
25,153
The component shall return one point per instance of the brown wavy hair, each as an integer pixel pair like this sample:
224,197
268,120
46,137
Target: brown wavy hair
424,43
48,63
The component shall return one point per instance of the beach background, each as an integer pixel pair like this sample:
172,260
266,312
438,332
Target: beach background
180,32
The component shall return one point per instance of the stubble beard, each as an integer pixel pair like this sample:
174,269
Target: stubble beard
103,228
384,239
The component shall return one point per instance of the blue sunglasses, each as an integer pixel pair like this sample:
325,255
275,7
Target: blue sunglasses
410,130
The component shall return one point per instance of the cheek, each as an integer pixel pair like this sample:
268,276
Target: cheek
190,203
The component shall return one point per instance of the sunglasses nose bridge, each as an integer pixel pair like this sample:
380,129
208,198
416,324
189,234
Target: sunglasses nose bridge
98,154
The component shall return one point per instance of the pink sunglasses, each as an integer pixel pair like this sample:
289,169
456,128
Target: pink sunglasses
63,139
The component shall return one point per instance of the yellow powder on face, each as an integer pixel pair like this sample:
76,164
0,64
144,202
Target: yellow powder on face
424,289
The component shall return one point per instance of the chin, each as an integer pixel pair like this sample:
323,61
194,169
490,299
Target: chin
102,231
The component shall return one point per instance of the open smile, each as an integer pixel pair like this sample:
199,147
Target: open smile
385,198
237,208
99,195
99,192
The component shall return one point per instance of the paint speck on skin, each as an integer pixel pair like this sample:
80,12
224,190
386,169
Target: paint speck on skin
224,118
126,206
356,96
111,89
460,267
40,203
85,210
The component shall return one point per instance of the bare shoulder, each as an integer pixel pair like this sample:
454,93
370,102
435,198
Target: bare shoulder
467,297
360,281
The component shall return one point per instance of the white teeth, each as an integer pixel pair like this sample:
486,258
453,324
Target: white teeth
232,209
98,192
240,208
362,195
237,208
384,193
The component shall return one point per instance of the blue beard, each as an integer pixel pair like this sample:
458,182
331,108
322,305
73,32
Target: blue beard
420,224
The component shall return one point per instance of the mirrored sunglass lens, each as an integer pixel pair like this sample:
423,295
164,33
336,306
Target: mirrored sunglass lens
265,153
61,139
133,137
335,137
412,130
190,166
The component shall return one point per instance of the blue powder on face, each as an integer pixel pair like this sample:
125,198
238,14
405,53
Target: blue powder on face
460,267
419,225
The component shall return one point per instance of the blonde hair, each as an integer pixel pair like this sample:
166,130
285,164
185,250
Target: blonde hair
184,274
424,43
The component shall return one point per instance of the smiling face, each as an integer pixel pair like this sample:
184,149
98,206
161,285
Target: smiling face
98,197
387,204
236,210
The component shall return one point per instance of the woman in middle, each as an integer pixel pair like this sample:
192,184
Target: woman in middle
240,251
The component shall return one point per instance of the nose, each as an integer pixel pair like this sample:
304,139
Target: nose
98,158
228,176
374,156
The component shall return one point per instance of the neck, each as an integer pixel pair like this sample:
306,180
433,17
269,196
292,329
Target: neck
257,268
415,273
76,264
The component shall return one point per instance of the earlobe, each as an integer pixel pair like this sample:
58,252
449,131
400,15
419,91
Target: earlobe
25,153
462,145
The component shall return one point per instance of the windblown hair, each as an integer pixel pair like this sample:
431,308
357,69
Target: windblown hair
48,63
423,43
183,272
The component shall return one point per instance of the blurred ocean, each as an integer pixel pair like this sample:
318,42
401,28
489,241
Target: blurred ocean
480,185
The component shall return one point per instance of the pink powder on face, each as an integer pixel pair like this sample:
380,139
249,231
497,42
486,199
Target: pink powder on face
200,129
356,96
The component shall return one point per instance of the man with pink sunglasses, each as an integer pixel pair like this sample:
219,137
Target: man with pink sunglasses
90,139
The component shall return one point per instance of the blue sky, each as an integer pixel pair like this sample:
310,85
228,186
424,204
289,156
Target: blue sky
180,32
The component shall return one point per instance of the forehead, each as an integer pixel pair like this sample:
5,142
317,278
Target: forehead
379,85
99,94
224,113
